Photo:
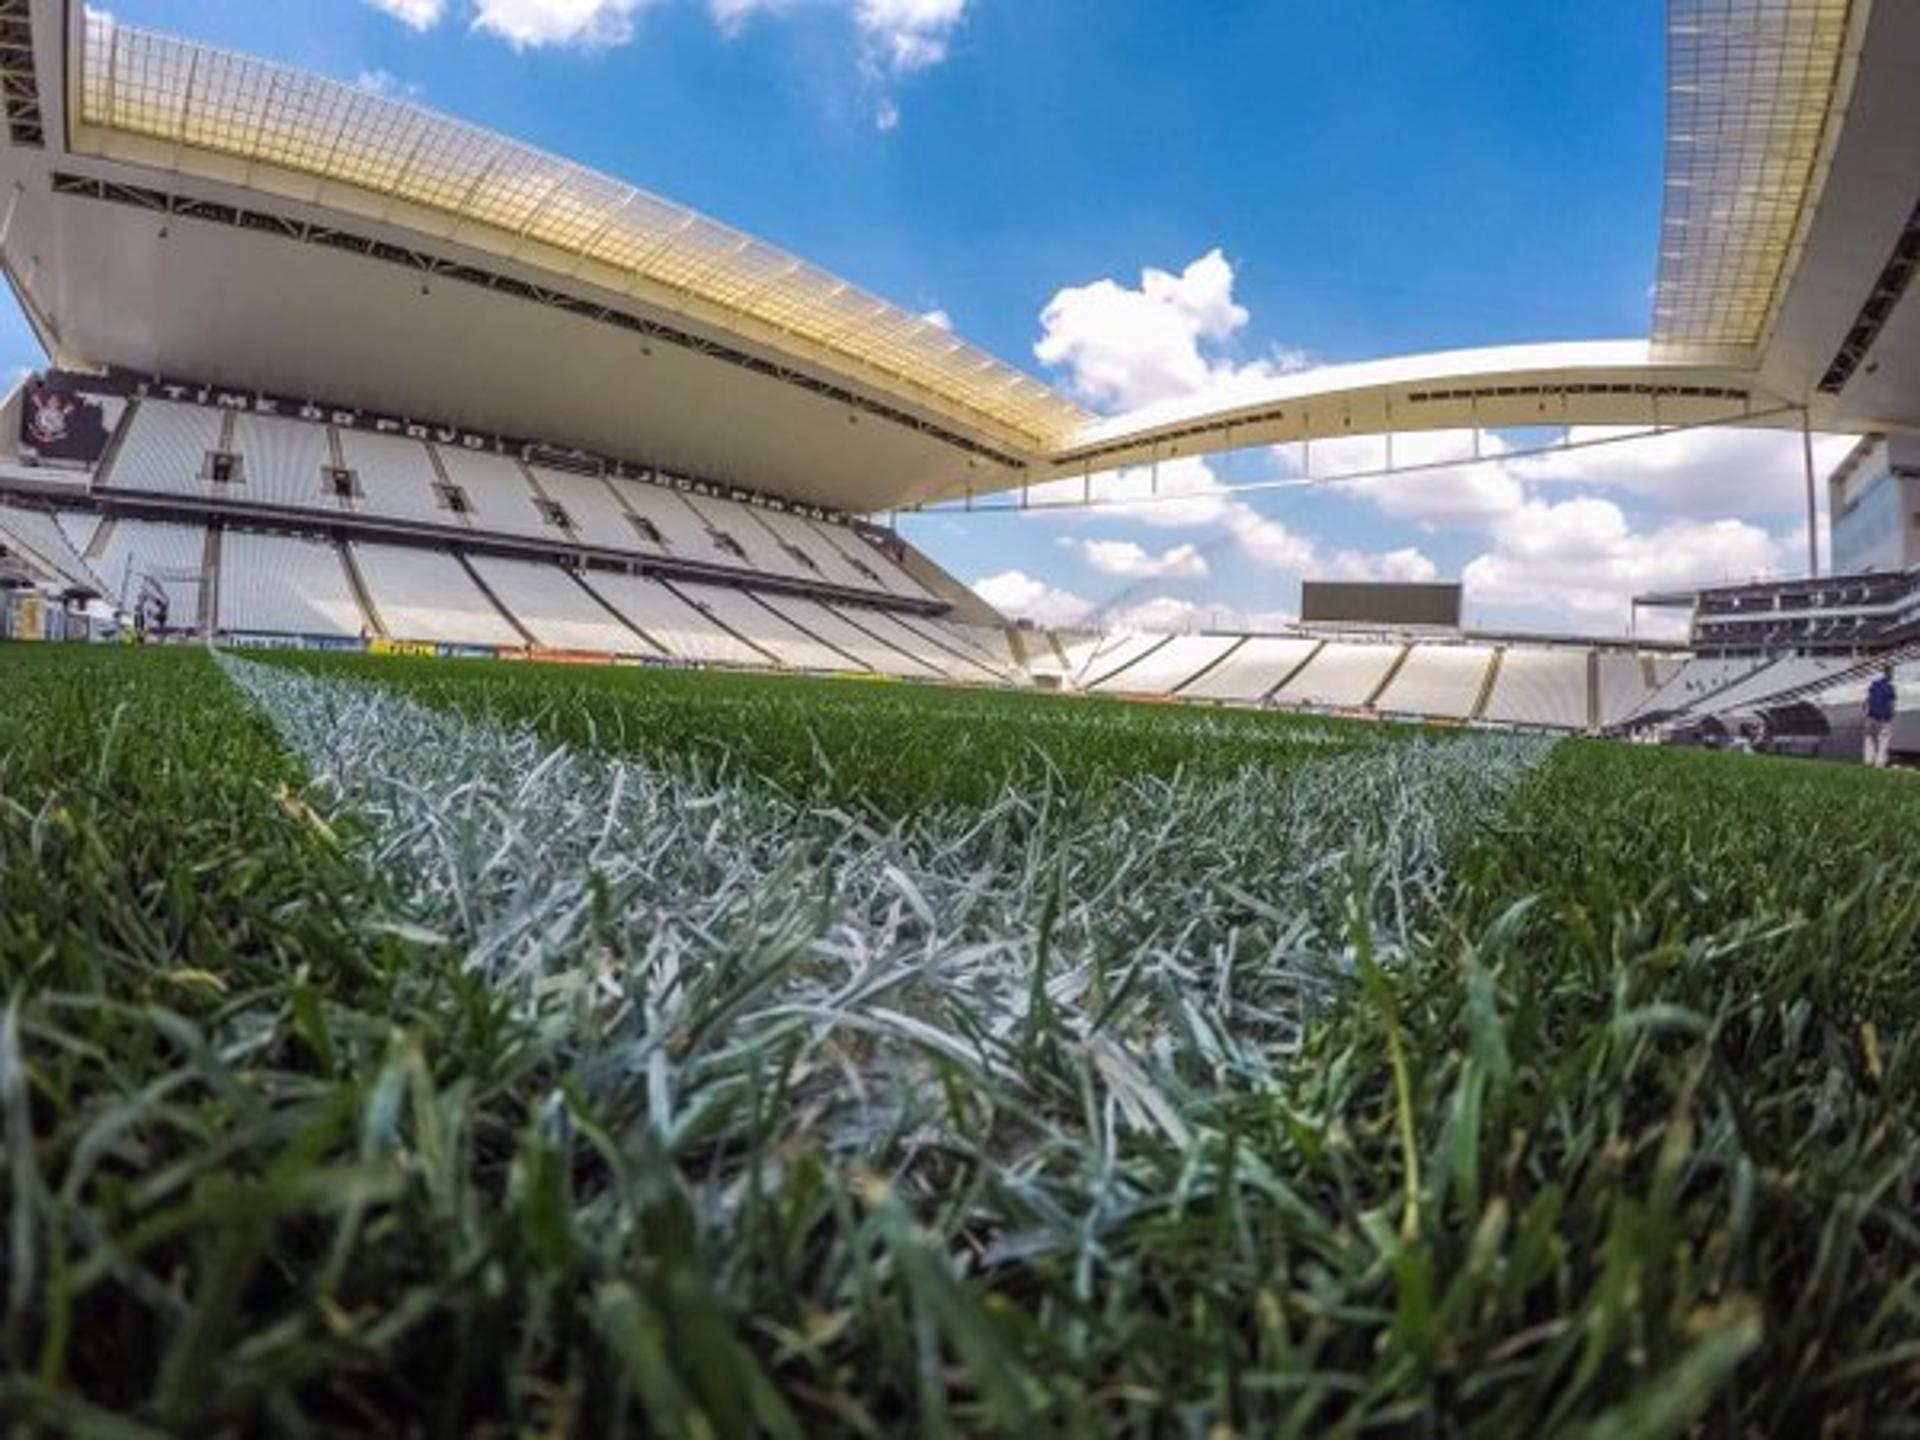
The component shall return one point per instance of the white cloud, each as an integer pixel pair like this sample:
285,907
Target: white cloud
1403,566
1700,473
419,14
1448,494
939,319
1175,494
1473,495
1162,615
732,15
1124,348
591,24
898,36
1173,615
1018,595
1580,562
1267,542
1185,494
908,35
895,38
1697,472
385,82
1126,558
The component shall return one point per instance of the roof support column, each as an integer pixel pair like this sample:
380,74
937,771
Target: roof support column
1813,513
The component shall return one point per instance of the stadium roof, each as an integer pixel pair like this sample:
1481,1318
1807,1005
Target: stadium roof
186,212
181,107
1754,93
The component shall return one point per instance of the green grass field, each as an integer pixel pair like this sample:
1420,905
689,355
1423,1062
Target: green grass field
408,1047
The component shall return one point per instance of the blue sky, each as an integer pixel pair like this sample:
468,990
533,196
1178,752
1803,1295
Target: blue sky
1312,181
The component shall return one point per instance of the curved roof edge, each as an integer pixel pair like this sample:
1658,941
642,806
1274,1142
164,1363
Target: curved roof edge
1322,380
1514,386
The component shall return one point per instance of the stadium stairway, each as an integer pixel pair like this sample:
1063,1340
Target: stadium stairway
480,582
1372,702
1239,643
1487,686
357,583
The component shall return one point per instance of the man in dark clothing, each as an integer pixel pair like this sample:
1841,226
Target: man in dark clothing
1882,703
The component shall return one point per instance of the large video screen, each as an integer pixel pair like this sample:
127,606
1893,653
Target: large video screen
1344,602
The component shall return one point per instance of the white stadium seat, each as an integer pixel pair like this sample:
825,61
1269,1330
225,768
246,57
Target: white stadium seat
762,548
1170,666
396,478
887,572
777,636
1540,686
1076,651
1790,676
285,585
951,657
1696,680
283,462
994,643
1342,675
550,604
165,450
985,647
669,621
596,512
1625,686
685,532
428,595
1438,682
1250,673
1662,667
1117,655
843,635
80,527
499,496
829,565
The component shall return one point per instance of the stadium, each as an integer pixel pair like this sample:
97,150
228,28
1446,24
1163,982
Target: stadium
794,996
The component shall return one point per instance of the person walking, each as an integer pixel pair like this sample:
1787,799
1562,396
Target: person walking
1882,703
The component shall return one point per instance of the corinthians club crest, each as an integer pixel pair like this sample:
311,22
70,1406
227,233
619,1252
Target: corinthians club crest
61,424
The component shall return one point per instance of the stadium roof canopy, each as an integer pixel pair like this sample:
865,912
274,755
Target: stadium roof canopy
182,212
